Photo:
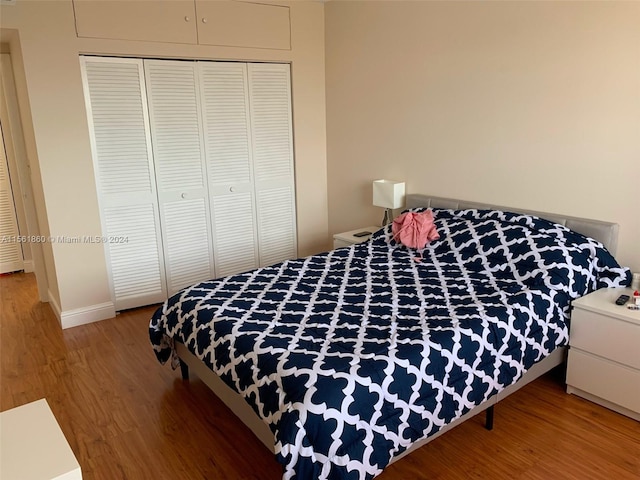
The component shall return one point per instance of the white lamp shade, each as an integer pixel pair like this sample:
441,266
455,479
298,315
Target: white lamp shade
388,194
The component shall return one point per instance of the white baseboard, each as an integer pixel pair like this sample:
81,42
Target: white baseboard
28,266
82,316
54,305
90,314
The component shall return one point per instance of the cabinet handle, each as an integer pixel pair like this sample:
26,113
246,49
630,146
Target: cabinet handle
232,189
184,195
187,19
204,20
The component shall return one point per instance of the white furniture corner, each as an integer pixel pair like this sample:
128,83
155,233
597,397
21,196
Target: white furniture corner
33,447
346,239
604,353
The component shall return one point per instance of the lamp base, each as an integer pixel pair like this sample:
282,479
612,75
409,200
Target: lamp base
386,219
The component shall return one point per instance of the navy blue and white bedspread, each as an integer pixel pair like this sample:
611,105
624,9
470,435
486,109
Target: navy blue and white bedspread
353,355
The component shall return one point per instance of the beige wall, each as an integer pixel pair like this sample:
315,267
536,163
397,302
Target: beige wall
45,49
529,104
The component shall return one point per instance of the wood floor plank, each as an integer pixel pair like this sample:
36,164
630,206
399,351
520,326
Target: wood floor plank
128,417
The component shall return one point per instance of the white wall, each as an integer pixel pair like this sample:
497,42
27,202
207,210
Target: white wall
529,104
44,49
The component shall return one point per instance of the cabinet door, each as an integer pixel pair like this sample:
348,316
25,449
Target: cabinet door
225,107
174,112
171,21
272,146
243,24
11,258
117,114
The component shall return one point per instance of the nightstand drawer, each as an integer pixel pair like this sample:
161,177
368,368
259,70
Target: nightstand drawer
338,243
610,381
606,336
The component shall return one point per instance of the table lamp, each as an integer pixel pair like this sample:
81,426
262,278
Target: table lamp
388,195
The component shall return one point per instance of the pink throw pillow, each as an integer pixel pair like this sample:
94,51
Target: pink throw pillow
415,229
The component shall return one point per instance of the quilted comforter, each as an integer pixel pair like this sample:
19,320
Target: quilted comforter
353,355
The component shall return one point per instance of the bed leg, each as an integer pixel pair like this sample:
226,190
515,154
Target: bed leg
184,370
489,418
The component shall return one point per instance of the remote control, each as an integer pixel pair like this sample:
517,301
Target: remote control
362,234
622,299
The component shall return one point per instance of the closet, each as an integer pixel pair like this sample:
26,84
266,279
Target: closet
194,170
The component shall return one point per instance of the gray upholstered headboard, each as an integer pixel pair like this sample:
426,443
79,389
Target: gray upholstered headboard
605,232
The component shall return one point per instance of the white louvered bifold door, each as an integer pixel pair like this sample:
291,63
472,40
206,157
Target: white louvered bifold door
174,112
117,113
225,106
11,257
272,146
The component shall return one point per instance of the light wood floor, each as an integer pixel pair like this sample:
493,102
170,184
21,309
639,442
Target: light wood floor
127,417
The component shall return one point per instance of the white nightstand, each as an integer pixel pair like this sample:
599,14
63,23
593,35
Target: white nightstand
345,239
604,353
33,445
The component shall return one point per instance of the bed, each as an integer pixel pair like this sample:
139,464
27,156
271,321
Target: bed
346,361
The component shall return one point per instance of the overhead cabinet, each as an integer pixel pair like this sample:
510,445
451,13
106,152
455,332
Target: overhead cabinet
194,169
220,22
243,24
